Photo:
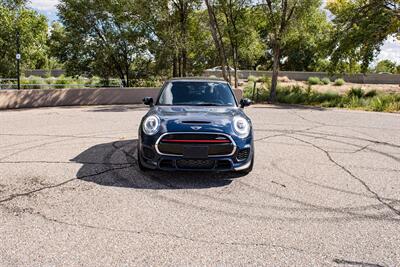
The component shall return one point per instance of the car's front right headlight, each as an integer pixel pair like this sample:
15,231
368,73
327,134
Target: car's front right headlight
151,125
241,126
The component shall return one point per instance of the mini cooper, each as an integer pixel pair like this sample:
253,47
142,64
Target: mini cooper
196,125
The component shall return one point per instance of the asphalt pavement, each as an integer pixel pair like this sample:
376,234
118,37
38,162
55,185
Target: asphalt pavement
325,191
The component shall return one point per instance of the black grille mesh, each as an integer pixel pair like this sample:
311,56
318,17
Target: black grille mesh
243,154
195,164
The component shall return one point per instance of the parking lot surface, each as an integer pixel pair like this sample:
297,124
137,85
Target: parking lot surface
325,191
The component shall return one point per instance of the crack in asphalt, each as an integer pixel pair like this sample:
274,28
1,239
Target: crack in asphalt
25,194
61,162
379,198
167,235
351,144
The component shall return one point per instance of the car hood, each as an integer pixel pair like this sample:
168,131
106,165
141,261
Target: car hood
183,118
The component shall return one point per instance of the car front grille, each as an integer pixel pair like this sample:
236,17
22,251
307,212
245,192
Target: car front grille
217,144
195,164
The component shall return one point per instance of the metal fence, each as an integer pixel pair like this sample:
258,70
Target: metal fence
11,84
371,78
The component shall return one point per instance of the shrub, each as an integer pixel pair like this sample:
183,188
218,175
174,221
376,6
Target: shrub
314,80
355,92
378,104
326,81
371,93
61,82
339,82
36,82
252,78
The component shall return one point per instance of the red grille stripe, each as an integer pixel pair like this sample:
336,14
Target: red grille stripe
194,141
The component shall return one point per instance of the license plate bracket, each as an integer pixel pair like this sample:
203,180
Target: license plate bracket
195,152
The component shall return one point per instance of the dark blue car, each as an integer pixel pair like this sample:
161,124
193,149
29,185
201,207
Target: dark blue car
196,125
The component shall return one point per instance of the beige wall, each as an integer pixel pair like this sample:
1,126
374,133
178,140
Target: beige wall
11,99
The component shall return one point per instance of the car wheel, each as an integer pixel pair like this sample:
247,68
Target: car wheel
249,169
139,161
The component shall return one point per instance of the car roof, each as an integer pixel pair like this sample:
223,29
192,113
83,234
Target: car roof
197,79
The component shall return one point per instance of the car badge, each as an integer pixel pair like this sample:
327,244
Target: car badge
196,128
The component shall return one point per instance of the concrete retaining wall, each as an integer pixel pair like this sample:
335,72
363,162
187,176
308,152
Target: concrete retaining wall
303,76
12,99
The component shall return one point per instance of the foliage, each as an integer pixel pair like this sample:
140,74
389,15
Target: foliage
355,92
371,93
326,81
32,29
281,17
358,38
298,95
386,66
339,82
143,40
314,80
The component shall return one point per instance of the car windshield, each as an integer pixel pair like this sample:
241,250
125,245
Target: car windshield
193,93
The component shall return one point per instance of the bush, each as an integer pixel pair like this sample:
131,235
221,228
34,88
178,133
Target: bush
339,82
61,82
36,82
355,92
371,93
354,98
326,81
252,78
314,80
377,104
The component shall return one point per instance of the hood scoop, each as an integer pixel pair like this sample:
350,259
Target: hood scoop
196,122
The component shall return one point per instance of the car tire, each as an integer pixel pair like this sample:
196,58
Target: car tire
139,161
249,169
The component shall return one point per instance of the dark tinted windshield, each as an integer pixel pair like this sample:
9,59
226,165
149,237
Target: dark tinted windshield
193,93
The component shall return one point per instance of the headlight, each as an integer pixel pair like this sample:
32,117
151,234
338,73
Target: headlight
151,125
241,127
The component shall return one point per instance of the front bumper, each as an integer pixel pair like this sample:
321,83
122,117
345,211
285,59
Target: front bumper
151,158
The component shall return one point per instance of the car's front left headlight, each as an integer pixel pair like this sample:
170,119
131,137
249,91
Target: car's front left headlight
151,125
241,126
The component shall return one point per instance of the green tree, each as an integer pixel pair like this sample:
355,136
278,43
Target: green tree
32,29
281,17
361,27
102,37
305,46
386,66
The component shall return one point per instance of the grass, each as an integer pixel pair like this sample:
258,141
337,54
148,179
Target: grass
355,98
339,82
314,80
326,81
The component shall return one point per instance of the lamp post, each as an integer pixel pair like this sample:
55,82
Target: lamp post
18,58
18,42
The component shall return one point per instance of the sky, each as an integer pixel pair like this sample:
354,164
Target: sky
390,49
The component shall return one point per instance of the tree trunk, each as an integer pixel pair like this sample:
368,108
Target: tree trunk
180,65
184,62
175,67
217,40
235,66
276,49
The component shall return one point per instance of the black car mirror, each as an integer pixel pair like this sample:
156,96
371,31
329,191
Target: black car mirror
245,102
148,101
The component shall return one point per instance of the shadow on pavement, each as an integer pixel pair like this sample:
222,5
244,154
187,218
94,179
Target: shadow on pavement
116,108
289,106
114,164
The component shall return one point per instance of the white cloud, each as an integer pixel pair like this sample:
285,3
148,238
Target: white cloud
390,50
44,5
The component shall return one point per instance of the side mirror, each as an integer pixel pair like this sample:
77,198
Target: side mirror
245,102
148,101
